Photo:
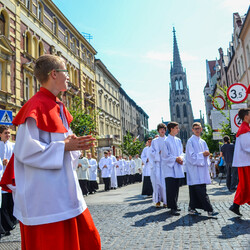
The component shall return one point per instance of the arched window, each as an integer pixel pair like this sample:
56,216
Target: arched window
87,86
2,24
73,45
178,111
34,47
66,38
40,49
248,55
72,75
76,77
28,47
28,4
176,85
184,110
181,84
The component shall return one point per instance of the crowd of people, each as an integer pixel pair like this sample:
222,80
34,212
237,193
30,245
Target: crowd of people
167,167
39,173
116,171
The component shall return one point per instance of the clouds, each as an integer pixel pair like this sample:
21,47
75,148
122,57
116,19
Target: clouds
234,6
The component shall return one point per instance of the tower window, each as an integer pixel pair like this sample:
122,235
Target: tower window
184,110
176,85
181,84
178,111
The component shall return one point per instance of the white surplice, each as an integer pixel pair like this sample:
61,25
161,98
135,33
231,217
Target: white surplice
147,161
172,149
242,151
157,178
120,167
132,166
92,169
197,165
83,170
47,188
113,182
106,172
138,165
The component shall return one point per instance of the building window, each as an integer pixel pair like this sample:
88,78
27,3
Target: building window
34,47
176,85
178,111
106,107
66,38
73,45
100,101
181,84
110,111
28,4
248,55
40,49
2,24
40,11
184,110
114,110
55,27
26,88
242,64
1,75
28,48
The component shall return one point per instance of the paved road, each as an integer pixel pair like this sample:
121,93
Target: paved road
126,220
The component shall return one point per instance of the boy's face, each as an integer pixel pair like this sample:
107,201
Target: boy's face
247,117
5,136
175,130
62,79
162,132
197,130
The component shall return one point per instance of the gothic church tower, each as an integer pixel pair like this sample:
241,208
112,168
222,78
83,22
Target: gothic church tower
180,104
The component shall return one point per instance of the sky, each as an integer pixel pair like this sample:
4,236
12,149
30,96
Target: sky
134,39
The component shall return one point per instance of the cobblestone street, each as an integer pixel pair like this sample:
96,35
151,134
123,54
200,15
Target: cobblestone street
126,220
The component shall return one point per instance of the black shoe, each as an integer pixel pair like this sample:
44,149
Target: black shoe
236,209
174,212
7,233
178,209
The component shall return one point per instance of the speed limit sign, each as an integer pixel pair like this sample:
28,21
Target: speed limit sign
235,120
237,93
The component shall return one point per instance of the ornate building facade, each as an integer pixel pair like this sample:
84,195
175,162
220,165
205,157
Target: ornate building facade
30,28
108,105
180,103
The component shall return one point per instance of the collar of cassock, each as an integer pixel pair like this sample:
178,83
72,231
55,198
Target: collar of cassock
44,108
243,129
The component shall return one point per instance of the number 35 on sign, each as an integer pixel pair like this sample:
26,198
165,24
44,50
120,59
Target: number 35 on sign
237,93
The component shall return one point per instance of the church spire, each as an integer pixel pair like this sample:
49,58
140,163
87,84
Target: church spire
177,66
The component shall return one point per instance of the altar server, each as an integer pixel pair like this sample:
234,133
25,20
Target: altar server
197,166
132,170
48,200
105,165
157,178
93,185
147,188
242,161
138,168
119,164
172,158
113,176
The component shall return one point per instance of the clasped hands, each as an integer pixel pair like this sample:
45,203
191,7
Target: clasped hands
179,160
206,153
72,142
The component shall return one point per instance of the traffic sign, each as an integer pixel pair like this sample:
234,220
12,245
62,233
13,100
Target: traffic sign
234,120
237,93
219,102
6,117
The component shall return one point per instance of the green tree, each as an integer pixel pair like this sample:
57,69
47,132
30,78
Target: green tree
131,146
207,136
151,133
84,121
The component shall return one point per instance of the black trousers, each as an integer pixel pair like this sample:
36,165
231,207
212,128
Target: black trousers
84,186
7,219
232,176
147,188
106,181
172,191
199,198
131,179
92,186
126,179
119,180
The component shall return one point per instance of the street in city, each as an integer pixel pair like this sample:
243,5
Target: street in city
127,220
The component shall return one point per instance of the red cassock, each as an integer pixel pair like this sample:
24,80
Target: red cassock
242,194
75,233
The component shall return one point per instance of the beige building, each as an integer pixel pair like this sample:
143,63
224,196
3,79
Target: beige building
108,105
239,51
30,28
